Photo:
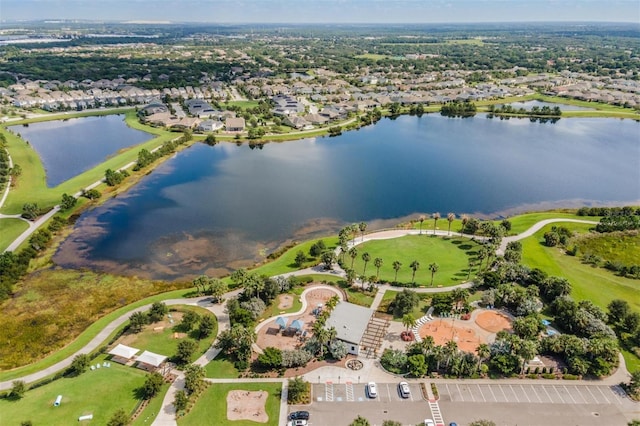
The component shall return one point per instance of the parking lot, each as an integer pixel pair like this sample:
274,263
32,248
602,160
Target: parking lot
354,392
532,393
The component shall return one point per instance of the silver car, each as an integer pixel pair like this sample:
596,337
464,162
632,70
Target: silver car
403,388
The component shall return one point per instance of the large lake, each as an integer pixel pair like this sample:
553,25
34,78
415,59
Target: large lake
69,147
212,209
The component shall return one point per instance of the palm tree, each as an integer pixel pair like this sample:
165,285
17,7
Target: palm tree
435,216
351,276
396,267
366,257
322,336
459,295
483,352
344,248
421,219
433,267
527,350
409,321
451,347
332,333
482,253
362,226
470,263
414,267
450,218
465,220
332,302
353,253
377,262
354,231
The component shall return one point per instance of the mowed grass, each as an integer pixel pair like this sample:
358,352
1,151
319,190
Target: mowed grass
56,312
286,262
220,367
623,247
417,312
211,408
525,221
451,254
152,409
163,341
588,283
11,229
31,185
100,392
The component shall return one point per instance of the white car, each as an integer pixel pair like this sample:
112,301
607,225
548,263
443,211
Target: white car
403,387
297,423
429,422
372,390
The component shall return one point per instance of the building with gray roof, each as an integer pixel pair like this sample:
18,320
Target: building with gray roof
350,322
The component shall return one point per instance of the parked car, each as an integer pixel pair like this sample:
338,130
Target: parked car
403,388
299,415
372,390
453,424
429,422
297,423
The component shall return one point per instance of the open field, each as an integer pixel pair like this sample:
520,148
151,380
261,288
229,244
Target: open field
522,222
211,407
11,229
451,255
100,392
152,409
286,262
623,247
221,367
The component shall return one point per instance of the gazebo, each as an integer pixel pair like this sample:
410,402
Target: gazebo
122,354
297,324
281,322
149,360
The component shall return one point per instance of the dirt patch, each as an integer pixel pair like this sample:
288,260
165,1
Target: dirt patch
444,331
285,301
246,405
493,321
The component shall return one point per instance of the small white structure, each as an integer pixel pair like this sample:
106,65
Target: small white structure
150,359
123,354
86,417
58,400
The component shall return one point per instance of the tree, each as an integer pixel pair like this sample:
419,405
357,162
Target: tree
30,211
421,219
184,352
298,390
433,267
391,423
18,389
300,258
193,375
189,319
417,365
67,202
362,226
210,140
79,365
618,310
207,324
377,262
152,385
181,400
119,418
415,265
450,218
157,312
366,257
409,321
360,421
270,358
405,302
483,352
396,267
217,288
92,194
435,216
137,321
353,253
328,258
201,283
633,387
527,350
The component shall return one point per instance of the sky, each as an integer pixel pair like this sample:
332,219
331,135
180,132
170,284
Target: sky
324,11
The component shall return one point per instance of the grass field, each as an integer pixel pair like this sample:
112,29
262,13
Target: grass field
418,311
273,310
152,409
623,247
451,255
11,229
162,341
211,408
286,262
243,104
521,223
100,392
221,367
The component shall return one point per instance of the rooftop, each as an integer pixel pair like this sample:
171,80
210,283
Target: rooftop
350,321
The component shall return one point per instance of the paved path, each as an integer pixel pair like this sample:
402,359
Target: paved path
535,228
6,189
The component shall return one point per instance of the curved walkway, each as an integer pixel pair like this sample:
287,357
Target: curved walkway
535,228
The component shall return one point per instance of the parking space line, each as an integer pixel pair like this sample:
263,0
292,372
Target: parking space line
449,391
514,393
525,393
533,388
581,395
603,394
388,392
619,393
482,393
503,394
592,395
473,398
460,392
494,395
545,391
569,393
555,388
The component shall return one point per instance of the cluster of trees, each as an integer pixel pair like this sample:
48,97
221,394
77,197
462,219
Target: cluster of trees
458,109
625,323
214,287
5,170
194,384
608,211
113,178
535,111
145,157
557,235
618,223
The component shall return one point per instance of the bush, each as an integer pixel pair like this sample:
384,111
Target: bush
549,376
271,358
570,377
295,358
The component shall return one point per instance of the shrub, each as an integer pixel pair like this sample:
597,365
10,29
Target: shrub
295,358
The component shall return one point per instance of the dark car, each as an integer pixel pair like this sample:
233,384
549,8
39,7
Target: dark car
299,415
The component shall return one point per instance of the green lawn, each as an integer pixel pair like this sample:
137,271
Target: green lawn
243,104
418,312
273,310
525,221
100,392
286,262
211,408
220,367
451,255
162,341
11,229
613,246
632,361
152,409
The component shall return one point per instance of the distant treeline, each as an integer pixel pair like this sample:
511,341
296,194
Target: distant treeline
458,109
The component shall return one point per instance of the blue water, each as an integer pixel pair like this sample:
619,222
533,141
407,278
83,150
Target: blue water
70,147
213,208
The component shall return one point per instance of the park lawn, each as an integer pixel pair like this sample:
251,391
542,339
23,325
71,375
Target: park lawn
525,221
631,360
358,297
152,409
11,229
441,225
286,262
100,392
451,254
211,407
273,309
31,185
221,368
417,312
588,283
623,247
162,341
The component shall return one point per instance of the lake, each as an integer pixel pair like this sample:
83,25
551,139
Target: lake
70,147
214,209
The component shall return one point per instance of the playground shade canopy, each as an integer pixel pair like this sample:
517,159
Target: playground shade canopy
297,324
124,351
151,358
282,322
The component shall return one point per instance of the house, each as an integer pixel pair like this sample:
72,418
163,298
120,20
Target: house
209,126
350,322
235,124
199,108
295,122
